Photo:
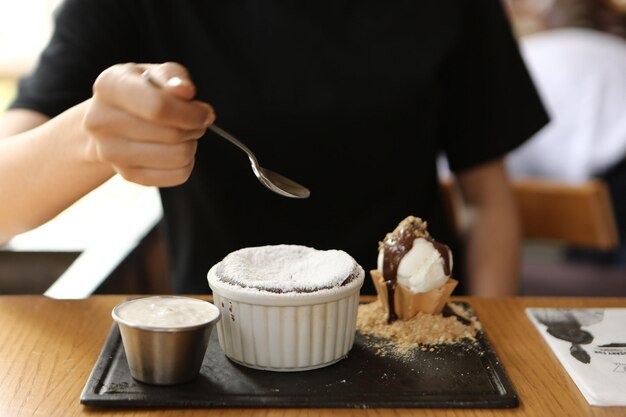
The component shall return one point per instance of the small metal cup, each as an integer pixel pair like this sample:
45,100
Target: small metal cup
161,355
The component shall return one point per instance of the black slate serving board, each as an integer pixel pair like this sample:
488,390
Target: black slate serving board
461,375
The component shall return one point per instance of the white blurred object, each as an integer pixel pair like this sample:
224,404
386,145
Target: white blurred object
105,226
581,77
25,27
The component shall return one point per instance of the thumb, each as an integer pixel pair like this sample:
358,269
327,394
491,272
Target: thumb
171,77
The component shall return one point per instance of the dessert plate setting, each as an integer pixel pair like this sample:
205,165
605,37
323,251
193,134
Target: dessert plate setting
293,334
466,374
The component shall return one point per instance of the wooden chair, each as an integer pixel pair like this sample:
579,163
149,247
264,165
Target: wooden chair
554,216
579,215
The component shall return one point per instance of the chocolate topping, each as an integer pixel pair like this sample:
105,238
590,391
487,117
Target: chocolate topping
444,251
395,245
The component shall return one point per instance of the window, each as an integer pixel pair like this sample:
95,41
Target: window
25,27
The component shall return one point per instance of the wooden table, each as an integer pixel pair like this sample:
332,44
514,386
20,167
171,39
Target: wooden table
48,348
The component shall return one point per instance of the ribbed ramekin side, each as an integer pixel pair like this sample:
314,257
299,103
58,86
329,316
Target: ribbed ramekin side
287,337
352,305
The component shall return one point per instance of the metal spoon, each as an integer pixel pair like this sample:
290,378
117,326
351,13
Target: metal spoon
272,180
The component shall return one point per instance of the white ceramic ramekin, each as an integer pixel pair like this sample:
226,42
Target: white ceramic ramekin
287,331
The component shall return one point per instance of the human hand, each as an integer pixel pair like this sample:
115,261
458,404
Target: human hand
146,134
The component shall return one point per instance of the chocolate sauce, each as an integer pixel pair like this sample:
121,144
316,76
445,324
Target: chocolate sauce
448,312
444,252
395,247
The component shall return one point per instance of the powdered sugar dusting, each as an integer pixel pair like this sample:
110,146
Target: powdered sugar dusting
287,268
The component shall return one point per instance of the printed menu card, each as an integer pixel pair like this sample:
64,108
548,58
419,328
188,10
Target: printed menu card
590,343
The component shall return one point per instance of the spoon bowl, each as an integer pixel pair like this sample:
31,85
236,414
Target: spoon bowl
281,184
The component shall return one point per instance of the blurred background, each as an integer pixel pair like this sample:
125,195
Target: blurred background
576,54
108,242
575,51
25,27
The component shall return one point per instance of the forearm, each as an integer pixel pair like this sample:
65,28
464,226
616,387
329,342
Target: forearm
493,250
44,170
494,235
146,134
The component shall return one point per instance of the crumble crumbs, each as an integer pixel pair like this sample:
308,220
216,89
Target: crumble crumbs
423,331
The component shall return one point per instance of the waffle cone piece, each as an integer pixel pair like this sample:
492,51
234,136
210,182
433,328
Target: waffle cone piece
407,303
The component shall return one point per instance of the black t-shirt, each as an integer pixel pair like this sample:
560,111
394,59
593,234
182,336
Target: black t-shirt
354,99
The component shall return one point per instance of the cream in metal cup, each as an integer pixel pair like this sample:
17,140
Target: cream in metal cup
165,338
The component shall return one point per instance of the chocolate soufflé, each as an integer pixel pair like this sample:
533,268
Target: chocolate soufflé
286,307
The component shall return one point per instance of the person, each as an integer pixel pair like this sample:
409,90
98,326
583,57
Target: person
352,99
580,74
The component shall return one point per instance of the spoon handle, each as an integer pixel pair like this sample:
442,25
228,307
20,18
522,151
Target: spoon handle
234,141
268,178
221,132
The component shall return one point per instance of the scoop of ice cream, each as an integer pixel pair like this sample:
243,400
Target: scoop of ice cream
423,267
409,256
